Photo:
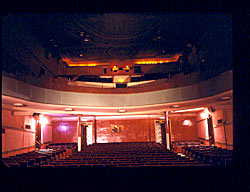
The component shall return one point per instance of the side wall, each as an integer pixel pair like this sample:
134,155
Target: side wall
134,130
181,132
222,135
15,137
64,131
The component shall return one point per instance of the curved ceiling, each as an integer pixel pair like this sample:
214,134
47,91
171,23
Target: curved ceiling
123,36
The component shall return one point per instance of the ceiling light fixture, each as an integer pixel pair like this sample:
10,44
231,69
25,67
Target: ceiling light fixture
122,111
68,109
226,98
175,106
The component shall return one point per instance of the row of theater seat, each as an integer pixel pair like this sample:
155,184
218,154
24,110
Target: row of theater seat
209,154
177,145
39,157
137,154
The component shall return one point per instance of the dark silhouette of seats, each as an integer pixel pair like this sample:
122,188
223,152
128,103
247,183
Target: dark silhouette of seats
129,154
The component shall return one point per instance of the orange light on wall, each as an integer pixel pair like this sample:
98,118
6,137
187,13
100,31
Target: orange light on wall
205,114
187,122
71,63
173,58
126,68
121,80
43,120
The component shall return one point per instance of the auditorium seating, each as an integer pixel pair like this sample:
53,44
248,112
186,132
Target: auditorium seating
209,154
129,154
40,157
178,145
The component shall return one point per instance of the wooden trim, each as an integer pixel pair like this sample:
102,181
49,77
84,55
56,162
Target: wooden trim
47,142
18,129
203,139
223,143
221,125
197,121
13,150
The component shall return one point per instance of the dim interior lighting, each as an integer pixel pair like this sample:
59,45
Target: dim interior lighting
187,122
18,104
122,111
68,109
225,98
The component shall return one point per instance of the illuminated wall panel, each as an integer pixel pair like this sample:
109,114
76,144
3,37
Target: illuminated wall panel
64,132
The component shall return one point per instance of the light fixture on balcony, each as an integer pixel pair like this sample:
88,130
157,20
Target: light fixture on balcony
68,109
225,98
19,105
175,106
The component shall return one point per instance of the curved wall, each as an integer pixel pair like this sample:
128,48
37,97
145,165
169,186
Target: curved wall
18,89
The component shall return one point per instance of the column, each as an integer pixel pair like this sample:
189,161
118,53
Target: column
95,130
79,133
168,131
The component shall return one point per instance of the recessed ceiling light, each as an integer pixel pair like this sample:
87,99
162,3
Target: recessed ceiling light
81,55
122,111
225,98
18,104
68,109
86,39
175,106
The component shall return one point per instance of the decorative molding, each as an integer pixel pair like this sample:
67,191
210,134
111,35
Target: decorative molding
13,150
203,139
223,143
18,129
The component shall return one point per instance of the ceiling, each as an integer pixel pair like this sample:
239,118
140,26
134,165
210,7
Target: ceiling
107,37
104,38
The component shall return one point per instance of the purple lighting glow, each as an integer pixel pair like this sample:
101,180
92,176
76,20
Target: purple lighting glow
63,128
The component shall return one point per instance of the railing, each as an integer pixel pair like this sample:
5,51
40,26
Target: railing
64,84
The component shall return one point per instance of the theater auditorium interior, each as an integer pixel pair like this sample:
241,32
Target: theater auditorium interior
117,90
